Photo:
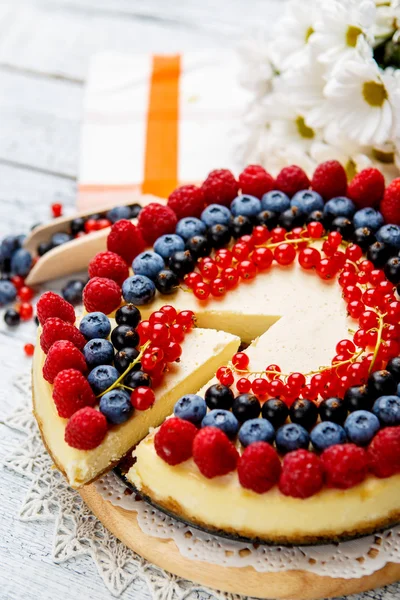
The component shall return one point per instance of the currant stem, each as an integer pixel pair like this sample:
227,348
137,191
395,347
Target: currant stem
378,340
117,382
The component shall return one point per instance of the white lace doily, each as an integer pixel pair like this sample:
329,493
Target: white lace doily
78,532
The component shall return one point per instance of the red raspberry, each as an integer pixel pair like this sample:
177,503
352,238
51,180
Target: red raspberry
329,179
291,180
255,180
71,392
55,329
390,205
259,467
52,305
86,429
101,294
109,265
126,240
384,452
220,187
156,219
213,453
367,188
345,465
302,474
174,440
63,355
187,201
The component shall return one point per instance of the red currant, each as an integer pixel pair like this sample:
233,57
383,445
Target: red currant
278,234
225,376
170,312
276,388
192,278
246,269
315,230
260,234
362,277
158,317
223,258
243,385
241,251
230,277
103,224
368,319
309,258
142,398
186,318
56,209
209,270
247,239
90,225
26,311
347,278
262,258
376,276
335,239
218,287
352,292
18,281
172,352
273,371
159,334
144,329
355,308
353,252
366,265
360,338
370,297
260,387
328,249
296,381
177,332
284,254
240,361
345,347
202,290
326,268
25,293
29,349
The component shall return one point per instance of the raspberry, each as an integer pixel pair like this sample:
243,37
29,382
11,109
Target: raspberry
63,355
155,220
345,465
55,329
220,187
259,467
384,452
174,440
329,180
302,474
109,265
101,294
86,429
390,205
213,453
367,188
71,392
187,201
52,305
125,240
255,180
291,180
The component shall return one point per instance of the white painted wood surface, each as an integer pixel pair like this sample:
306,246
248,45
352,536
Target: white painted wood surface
45,47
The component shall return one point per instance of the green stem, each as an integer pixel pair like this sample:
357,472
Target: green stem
127,370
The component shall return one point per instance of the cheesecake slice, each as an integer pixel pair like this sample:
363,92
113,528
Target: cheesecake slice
203,351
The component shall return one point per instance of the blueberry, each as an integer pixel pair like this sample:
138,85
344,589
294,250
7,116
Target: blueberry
123,336
216,214
304,412
95,325
327,434
166,282
344,226
44,247
219,396
191,408
21,262
136,379
138,289
307,201
368,217
8,246
268,218
389,234
381,383
8,292
275,411
190,226
116,406
220,235
245,407
379,254
60,238
148,263
77,225
124,358
387,409
361,426
290,218
118,212
72,291
128,314
223,419
246,205
98,351
102,377
12,318
393,367
292,437
391,268
198,246
256,430
363,237
275,201
168,244
21,239
181,263
358,398
333,409
135,210
339,207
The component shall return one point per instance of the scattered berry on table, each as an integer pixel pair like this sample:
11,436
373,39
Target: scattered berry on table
275,201
191,407
98,351
60,238
190,226
55,329
187,201
259,467
390,235
52,305
95,325
168,244
361,426
155,220
368,217
21,262
292,179
127,314
302,474
102,295
71,391
390,204
8,292
12,318
245,407
220,187
367,188
138,289
256,430
102,377
222,419
110,265
307,201
86,429
384,452
148,263
215,214
174,440
246,205
219,396
126,240
63,355
116,406
387,409
118,212
56,209
345,465
291,437
213,452
73,290
329,179
29,349
326,434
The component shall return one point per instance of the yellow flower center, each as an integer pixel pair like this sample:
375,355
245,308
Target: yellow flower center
309,33
383,157
303,129
352,34
351,169
374,93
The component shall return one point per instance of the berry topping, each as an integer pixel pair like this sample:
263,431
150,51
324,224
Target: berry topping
292,179
213,453
123,336
167,245
71,392
95,325
302,474
367,188
220,187
102,377
148,263
109,265
384,452
327,434
143,397
222,419
127,315
52,305
138,289
304,413
245,407
126,240
255,180
390,205
55,329
219,396
102,295
173,442
116,406
381,383
259,468
86,429
333,409
256,430
246,205
63,355
275,411
98,351
345,465
387,409
155,220
191,408
186,201
329,179
292,437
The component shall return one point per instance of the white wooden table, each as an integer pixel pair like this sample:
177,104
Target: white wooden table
45,47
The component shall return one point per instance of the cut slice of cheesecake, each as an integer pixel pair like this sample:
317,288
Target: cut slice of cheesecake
203,351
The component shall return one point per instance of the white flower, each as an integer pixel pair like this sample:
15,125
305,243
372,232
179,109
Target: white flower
256,71
274,154
386,20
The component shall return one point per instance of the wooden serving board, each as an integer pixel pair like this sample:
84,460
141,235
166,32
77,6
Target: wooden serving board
289,585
